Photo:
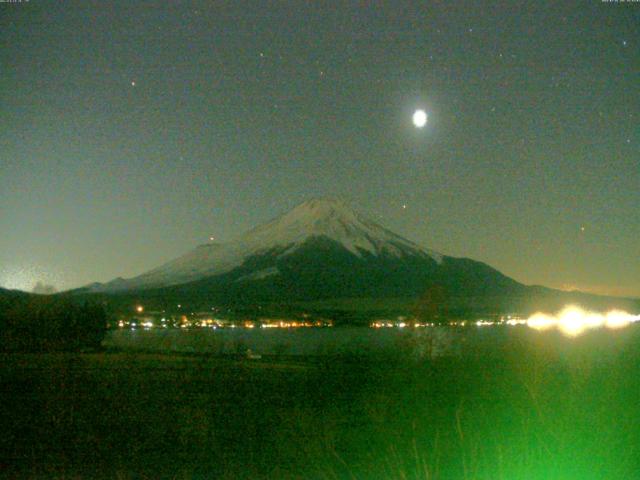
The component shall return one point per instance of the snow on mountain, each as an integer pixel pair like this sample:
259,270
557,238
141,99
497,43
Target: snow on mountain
328,218
335,220
204,260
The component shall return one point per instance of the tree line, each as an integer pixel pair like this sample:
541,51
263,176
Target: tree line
36,323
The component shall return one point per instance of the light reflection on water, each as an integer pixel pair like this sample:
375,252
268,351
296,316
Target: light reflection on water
419,343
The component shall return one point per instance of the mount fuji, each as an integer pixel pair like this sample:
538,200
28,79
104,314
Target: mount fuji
323,250
323,223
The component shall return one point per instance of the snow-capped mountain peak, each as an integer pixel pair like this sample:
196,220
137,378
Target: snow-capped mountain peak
335,220
327,218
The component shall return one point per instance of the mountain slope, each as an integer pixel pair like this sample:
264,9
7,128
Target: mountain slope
321,268
323,251
321,218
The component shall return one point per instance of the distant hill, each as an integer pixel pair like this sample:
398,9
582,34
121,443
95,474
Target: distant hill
8,296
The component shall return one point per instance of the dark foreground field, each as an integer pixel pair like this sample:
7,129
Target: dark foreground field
543,407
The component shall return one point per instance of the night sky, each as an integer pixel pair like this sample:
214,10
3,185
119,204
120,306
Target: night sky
132,131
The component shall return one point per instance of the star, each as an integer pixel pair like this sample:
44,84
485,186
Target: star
624,43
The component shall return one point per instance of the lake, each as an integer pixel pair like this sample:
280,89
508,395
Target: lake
418,342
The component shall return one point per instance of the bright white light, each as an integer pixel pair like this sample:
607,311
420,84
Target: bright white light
619,319
515,321
572,320
540,321
484,323
593,320
420,118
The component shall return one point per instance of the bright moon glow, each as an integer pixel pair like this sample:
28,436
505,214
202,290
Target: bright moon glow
25,277
420,118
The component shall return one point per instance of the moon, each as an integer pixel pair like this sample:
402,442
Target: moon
420,118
